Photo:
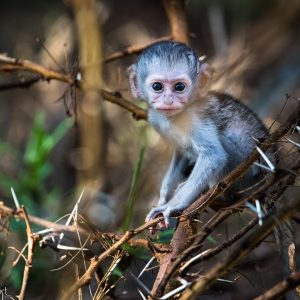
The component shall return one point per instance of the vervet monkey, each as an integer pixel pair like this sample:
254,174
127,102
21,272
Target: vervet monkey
211,134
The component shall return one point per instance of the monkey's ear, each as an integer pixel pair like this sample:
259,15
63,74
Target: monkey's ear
132,80
206,73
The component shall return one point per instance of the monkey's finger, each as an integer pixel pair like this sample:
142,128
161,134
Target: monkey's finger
162,225
154,213
152,230
166,215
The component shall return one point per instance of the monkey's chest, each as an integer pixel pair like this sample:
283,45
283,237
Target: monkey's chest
186,145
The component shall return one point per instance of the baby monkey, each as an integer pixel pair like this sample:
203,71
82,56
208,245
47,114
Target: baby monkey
211,134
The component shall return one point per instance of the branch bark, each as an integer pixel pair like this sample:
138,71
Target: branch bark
176,13
241,250
9,64
281,288
28,263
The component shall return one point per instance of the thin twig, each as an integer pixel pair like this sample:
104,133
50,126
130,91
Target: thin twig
241,250
9,64
28,263
281,288
134,49
97,260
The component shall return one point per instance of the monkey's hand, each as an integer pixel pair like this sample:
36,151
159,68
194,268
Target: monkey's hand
164,211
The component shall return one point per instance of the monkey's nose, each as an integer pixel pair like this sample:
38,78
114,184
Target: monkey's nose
168,101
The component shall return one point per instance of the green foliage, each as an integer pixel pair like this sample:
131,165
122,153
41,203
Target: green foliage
35,167
165,236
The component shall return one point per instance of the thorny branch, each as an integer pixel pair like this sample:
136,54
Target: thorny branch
31,239
97,260
241,250
56,228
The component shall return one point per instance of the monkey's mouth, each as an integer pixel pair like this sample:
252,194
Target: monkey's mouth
169,111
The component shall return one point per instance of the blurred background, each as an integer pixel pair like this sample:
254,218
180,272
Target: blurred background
254,48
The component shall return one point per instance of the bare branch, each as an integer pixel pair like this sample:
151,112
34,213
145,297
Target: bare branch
10,64
281,288
241,250
28,263
96,261
133,49
176,13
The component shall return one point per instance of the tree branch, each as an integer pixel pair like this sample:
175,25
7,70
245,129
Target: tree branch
176,13
97,260
281,288
31,239
134,49
9,64
241,250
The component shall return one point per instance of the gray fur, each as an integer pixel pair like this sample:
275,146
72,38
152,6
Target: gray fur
167,55
211,136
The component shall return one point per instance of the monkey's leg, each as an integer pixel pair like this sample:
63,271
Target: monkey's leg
172,178
207,165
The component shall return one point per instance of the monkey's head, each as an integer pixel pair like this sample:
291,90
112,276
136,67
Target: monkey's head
166,76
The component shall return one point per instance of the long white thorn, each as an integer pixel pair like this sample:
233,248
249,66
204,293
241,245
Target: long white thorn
264,156
175,291
294,143
259,212
17,203
74,212
70,248
146,266
263,167
196,257
142,295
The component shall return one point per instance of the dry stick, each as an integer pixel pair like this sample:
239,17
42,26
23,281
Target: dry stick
7,211
212,252
59,228
9,64
28,263
96,261
134,49
207,229
176,13
205,200
14,64
212,223
278,290
241,250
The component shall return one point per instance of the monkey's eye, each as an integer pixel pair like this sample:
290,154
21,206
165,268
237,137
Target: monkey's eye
157,86
179,86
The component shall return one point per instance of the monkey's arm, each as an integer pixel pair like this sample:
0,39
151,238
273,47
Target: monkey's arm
172,178
208,167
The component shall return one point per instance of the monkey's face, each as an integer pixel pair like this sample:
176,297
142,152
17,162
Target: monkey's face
168,92
166,76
